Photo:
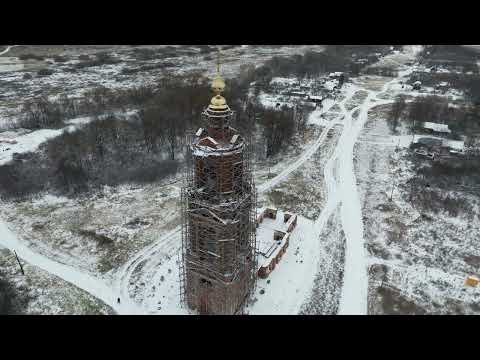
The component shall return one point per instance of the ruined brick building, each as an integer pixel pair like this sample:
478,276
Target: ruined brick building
218,265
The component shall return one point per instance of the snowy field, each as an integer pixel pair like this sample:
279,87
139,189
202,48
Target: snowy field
283,292
418,260
145,267
16,88
357,252
38,292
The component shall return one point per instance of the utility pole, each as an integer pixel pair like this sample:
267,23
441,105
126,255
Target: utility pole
269,167
391,194
19,263
413,131
393,187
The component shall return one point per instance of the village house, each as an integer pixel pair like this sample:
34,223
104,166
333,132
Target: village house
417,85
436,129
432,147
442,87
316,99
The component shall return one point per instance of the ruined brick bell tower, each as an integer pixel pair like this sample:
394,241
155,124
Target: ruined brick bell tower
218,265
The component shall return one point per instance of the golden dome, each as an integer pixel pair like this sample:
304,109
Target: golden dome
218,85
218,103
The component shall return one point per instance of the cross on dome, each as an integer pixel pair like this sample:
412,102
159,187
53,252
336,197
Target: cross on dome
218,86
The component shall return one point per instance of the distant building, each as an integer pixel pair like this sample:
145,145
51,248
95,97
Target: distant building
316,99
438,146
472,281
429,142
336,75
297,93
454,146
443,87
435,128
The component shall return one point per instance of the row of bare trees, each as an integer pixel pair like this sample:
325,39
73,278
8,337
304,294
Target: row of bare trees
146,147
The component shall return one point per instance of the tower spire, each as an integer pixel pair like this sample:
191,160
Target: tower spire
218,62
218,86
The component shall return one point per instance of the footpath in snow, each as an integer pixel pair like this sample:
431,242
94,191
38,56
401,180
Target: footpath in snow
7,49
94,286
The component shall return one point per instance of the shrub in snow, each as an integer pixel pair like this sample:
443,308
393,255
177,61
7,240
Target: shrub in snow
45,72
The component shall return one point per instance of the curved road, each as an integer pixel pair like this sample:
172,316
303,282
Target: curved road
7,49
96,287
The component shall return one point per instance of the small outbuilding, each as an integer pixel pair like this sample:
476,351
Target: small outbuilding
417,85
316,99
472,281
435,128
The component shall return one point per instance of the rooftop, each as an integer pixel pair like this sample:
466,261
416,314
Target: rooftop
268,247
436,127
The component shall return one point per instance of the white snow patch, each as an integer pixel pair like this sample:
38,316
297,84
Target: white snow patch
290,283
25,143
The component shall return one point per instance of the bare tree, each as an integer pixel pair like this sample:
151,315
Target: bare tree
396,111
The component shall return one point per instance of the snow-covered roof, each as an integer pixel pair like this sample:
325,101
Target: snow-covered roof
457,145
429,141
284,81
234,139
205,151
268,247
329,85
312,97
208,139
436,127
335,74
299,93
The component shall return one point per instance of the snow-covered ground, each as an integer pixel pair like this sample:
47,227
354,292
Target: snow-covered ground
97,287
66,79
39,292
21,141
146,267
25,143
147,281
418,260
283,292
7,49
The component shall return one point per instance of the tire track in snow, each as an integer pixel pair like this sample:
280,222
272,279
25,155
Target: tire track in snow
342,190
167,244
